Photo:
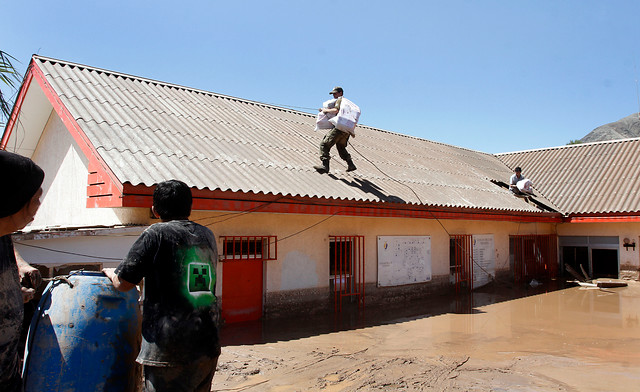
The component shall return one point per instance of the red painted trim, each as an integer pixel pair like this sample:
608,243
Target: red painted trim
16,109
602,219
141,196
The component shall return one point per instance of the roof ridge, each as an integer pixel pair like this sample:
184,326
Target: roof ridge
578,145
167,84
247,101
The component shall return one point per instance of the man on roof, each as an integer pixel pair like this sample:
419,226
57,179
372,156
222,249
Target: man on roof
334,137
519,185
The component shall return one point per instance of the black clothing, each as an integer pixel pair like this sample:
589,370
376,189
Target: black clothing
180,310
11,315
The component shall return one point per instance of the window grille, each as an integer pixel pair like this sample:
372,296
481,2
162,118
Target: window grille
249,247
346,266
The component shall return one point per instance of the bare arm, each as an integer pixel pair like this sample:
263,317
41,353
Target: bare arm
30,278
26,270
327,110
119,284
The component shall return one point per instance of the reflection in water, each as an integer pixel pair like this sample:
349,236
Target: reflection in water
562,320
281,329
569,339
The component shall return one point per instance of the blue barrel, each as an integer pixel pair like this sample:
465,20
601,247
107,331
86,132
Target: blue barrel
84,336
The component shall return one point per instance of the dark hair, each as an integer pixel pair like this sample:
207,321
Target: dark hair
518,169
21,179
172,200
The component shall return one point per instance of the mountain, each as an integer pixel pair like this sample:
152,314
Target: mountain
622,129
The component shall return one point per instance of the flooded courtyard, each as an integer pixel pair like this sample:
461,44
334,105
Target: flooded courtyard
571,339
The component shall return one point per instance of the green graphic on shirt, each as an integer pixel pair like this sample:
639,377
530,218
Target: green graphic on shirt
199,276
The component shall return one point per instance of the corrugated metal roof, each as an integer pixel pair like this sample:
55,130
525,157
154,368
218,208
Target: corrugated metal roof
584,178
148,131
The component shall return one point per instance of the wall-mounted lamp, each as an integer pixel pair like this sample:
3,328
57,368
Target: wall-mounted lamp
628,244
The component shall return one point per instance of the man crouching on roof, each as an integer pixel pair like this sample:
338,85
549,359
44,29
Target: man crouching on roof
177,258
520,185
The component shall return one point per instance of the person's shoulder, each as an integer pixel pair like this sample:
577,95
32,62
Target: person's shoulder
201,230
160,227
156,227
198,226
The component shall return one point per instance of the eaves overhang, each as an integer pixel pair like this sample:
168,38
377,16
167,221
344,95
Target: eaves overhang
611,217
241,202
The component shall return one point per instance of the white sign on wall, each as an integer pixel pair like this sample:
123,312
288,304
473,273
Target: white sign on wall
484,260
403,260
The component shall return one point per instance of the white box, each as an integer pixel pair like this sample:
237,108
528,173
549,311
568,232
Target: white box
347,117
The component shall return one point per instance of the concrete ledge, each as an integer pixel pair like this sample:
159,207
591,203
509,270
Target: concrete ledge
389,295
321,301
292,302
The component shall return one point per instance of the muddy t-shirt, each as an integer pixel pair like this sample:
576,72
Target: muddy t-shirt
11,314
180,311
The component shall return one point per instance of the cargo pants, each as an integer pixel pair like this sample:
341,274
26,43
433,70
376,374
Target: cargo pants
339,139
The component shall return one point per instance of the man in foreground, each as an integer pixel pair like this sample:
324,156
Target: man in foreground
177,258
19,202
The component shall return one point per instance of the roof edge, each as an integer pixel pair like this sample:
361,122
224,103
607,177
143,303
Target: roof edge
631,139
159,82
611,217
207,200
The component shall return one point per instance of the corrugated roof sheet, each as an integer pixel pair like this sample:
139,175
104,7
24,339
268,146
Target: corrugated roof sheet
584,178
148,131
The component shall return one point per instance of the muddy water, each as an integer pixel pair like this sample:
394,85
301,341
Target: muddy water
573,339
579,322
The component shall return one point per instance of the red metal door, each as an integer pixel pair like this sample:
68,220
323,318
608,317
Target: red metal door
535,256
461,261
242,290
242,275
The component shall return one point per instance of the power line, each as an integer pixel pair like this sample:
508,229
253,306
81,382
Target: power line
421,202
235,215
637,91
310,227
68,253
292,107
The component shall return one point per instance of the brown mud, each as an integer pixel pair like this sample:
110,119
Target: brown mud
515,339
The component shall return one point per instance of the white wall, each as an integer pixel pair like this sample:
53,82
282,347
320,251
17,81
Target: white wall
629,258
303,258
65,185
106,246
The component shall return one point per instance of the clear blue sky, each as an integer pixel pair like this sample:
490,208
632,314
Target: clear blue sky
493,76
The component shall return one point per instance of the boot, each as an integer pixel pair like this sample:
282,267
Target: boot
351,166
324,168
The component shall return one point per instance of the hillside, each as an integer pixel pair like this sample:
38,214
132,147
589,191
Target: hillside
622,129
